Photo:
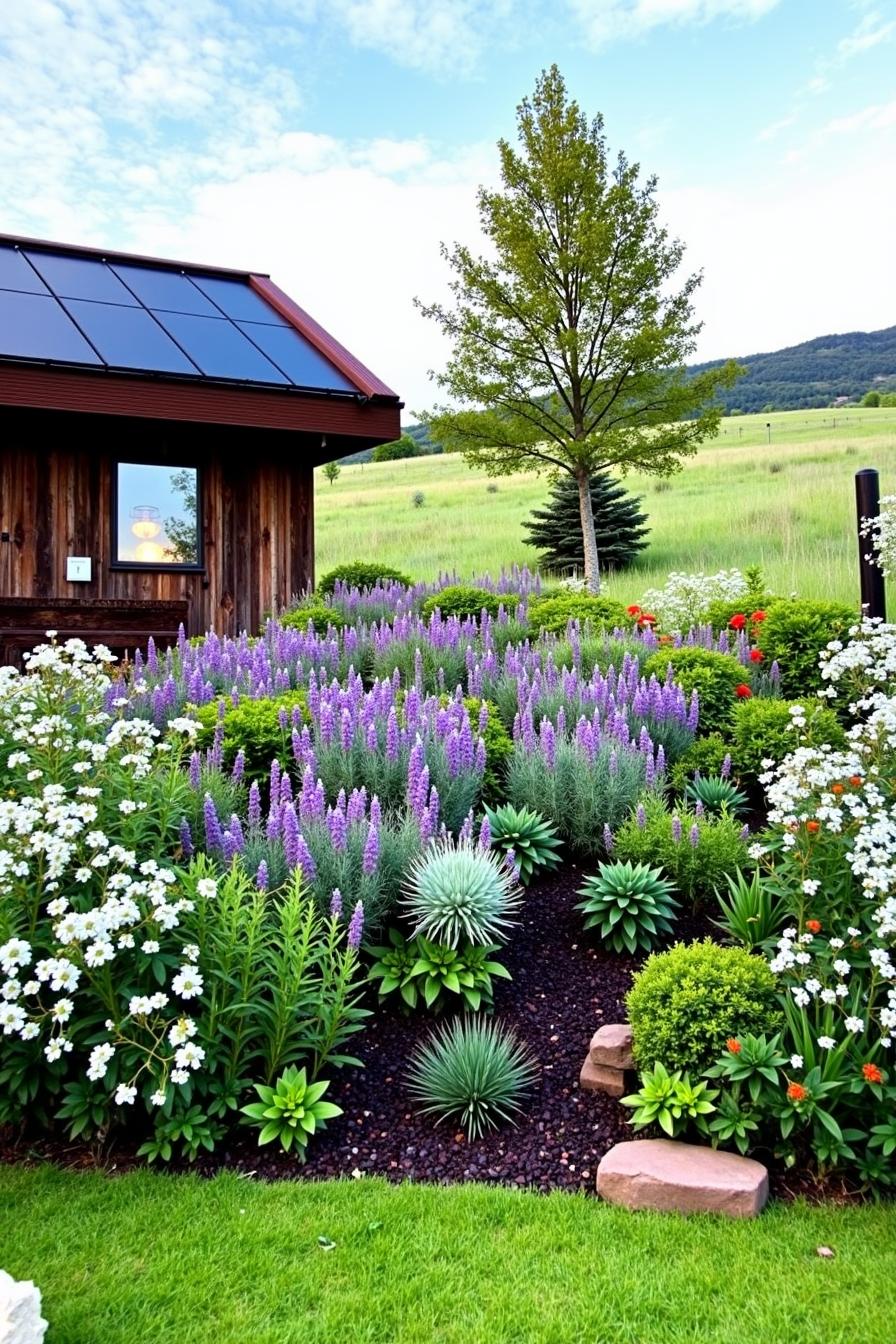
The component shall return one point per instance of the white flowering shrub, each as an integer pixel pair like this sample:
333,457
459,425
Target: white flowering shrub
685,599
881,533
127,977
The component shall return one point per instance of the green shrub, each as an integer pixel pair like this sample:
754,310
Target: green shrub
719,614
498,748
430,973
456,892
361,574
714,676
318,613
254,725
694,852
630,905
794,633
579,796
705,756
551,614
685,1003
472,1072
763,730
460,600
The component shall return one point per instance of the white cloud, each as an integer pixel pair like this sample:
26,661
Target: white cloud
876,117
871,31
440,36
774,129
606,20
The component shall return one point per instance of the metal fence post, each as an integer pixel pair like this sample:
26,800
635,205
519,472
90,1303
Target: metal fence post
870,577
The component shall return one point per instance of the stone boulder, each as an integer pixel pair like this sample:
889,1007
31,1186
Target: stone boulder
599,1078
611,1046
20,1318
682,1178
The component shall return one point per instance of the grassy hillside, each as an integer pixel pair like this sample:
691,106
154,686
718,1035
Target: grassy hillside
787,505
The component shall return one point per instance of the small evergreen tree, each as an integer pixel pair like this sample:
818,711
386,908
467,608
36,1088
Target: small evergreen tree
556,529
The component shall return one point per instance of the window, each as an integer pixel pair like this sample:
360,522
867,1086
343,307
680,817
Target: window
156,517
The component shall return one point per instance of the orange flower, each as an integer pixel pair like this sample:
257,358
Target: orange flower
813,925
634,609
757,616
738,621
756,655
872,1074
734,1045
796,1092
856,781
837,788
813,827
743,691
666,639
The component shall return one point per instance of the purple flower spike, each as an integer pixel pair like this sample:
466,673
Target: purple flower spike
195,771
694,836
336,903
253,815
239,766
699,809
186,839
306,861
608,839
371,851
356,926
676,830
261,877
726,766
214,840
745,832
485,834
641,817
290,835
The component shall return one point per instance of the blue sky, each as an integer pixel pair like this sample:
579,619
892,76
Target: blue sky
334,143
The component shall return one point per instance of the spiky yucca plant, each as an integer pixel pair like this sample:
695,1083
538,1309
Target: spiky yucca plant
473,1072
456,892
533,841
716,794
629,904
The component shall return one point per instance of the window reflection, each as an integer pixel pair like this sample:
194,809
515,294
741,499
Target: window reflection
158,515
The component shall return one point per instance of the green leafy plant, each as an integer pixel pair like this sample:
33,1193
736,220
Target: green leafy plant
751,913
764,729
456,892
630,905
671,1101
716,795
552,613
291,1111
705,756
685,1003
189,1127
360,574
794,633
694,852
498,747
473,1072
317,613
524,832
461,600
261,728
421,970
714,676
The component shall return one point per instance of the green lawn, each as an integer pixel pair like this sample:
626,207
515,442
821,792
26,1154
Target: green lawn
150,1259
788,505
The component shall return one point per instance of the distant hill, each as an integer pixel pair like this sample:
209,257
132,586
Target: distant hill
814,373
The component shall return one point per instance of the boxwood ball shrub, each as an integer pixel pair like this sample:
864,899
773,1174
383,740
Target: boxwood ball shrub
714,676
685,1003
261,728
766,730
694,852
551,614
361,574
460,600
318,613
794,633
472,1072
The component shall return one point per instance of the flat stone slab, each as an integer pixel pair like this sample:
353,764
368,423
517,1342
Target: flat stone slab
682,1178
611,1046
599,1078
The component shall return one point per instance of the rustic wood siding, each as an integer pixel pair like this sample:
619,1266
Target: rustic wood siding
56,478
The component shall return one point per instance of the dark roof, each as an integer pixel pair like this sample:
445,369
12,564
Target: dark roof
83,309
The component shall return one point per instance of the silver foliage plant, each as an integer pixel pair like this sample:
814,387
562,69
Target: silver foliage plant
456,892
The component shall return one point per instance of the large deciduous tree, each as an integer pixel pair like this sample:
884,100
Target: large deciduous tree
571,333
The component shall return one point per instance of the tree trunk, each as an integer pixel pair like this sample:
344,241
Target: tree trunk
592,565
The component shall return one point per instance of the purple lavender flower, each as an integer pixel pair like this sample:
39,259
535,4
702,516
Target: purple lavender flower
236,831
641,817
306,860
726,766
485,834
356,926
338,828
186,839
336,904
253,815
214,839
694,836
261,877
745,832
676,830
195,771
699,809
608,839
371,851
239,766
290,835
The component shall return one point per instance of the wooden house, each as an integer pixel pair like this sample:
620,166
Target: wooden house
159,427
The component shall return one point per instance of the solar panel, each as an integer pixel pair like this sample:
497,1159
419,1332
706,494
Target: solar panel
302,364
165,289
238,300
15,273
219,348
33,326
128,338
80,278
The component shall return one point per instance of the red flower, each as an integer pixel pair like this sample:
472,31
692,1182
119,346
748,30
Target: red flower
757,616
756,655
813,827
743,691
634,609
738,622
734,1045
796,1092
646,619
872,1074
813,925
856,781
